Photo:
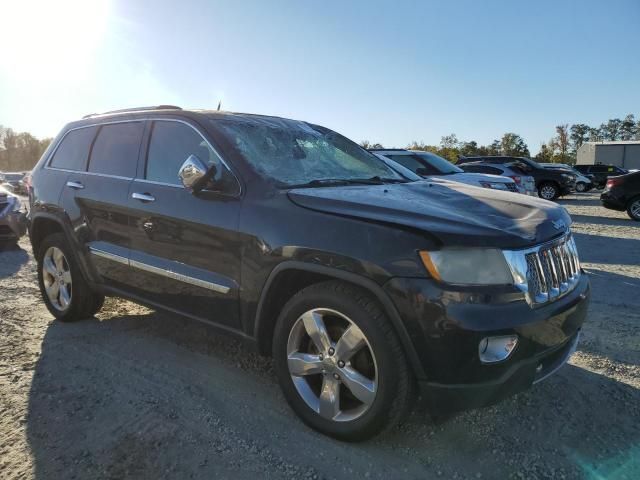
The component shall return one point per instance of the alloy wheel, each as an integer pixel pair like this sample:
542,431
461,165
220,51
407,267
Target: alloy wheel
635,209
332,365
548,192
580,187
56,276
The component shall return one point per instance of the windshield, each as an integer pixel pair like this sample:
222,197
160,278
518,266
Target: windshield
425,163
297,153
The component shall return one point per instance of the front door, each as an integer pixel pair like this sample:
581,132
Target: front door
185,250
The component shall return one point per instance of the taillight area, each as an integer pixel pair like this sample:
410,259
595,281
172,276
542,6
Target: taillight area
612,182
516,178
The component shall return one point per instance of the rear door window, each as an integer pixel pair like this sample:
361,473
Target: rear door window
73,151
115,151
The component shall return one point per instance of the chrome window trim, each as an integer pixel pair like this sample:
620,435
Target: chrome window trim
47,164
94,174
160,271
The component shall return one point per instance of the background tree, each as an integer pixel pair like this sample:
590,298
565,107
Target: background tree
628,128
611,130
560,144
579,135
545,155
513,144
20,151
595,135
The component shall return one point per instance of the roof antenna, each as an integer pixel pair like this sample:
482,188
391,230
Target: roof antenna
219,105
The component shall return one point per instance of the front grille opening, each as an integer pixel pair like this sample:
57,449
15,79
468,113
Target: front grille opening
552,270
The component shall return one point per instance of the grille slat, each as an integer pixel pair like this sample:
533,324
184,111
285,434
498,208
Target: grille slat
552,271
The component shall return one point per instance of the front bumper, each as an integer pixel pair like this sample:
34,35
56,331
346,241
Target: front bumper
446,327
13,225
613,200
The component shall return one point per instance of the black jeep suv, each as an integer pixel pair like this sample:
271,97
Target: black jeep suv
550,182
361,284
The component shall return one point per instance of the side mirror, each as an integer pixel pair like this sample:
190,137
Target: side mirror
192,173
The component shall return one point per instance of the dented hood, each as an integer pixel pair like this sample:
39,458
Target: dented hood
454,213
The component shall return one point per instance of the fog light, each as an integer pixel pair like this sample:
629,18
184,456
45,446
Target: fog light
496,349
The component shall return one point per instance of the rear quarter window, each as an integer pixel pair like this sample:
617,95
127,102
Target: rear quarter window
115,151
73,151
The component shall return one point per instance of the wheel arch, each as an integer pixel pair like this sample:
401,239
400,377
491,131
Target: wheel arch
290,277
44,224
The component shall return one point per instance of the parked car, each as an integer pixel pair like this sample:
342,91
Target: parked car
623,193
430,165
601,173
14,179
551,183
525,183
584,182
13,220
361,284
25,183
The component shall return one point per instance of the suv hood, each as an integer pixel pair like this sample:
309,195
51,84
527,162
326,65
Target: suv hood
455,213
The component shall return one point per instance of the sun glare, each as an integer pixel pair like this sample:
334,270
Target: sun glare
48,38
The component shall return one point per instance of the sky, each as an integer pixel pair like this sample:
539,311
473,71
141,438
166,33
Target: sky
390,72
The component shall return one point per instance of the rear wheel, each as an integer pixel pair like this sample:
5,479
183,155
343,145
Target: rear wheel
581,187
549,191
339,362
64,291
633,209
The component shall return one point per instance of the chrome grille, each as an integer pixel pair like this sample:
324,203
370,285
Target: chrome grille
547,272
512,187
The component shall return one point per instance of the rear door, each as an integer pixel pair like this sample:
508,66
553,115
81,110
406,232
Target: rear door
185,249
96,199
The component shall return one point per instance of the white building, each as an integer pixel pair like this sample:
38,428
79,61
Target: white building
623,154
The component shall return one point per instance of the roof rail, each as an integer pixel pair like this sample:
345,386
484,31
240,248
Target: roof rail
136,109
386,149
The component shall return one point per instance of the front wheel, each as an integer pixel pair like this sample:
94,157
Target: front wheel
64,291
581,187
633,209
339,362
549,191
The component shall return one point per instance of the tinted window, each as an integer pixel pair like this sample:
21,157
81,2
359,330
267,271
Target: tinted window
115,151
598,169
171,144
482,169
73,151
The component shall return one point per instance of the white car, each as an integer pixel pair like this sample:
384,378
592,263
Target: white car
583,183
430,165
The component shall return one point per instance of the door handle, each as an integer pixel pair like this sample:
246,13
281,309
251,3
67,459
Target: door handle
75,185
143,197
148,225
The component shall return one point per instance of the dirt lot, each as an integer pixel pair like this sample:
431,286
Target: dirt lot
135,393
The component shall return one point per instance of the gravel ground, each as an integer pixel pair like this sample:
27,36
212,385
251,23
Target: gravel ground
137,393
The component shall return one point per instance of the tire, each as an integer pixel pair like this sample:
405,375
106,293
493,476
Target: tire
633,209
390,388
548,191
75,300
581,187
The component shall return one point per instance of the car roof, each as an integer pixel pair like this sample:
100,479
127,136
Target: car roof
172,111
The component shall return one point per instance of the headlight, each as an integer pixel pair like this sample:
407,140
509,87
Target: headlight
494,185
566,176
468,266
